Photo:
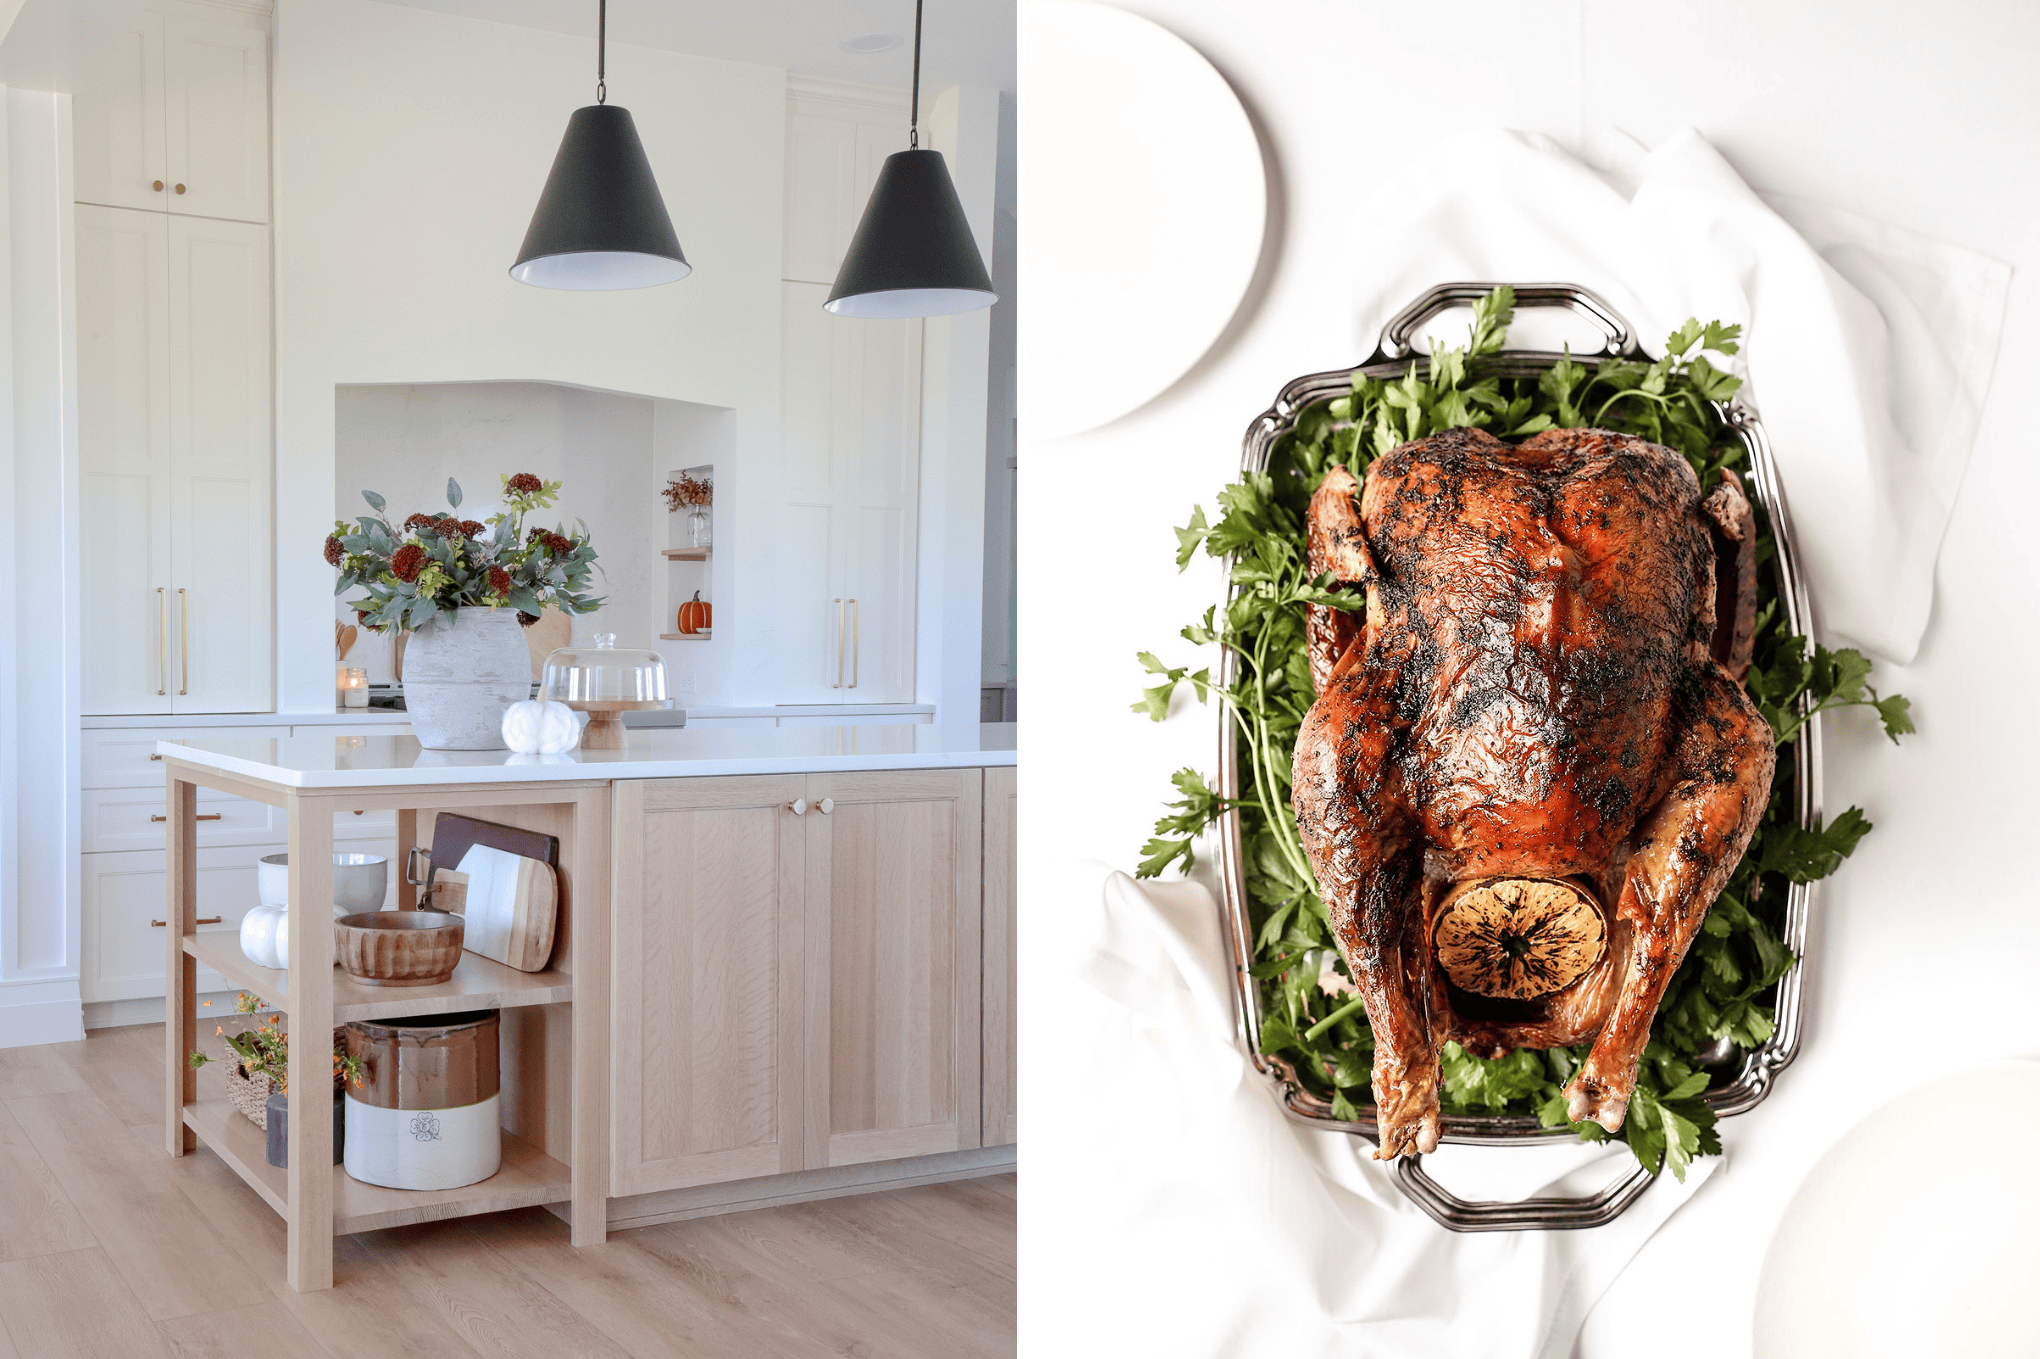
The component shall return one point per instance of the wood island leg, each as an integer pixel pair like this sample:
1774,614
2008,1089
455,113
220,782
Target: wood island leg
310,1002
180,969
407,837
589,1157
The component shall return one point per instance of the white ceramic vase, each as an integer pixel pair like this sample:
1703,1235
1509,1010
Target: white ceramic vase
459,681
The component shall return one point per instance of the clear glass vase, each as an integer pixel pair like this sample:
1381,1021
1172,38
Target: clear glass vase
699,530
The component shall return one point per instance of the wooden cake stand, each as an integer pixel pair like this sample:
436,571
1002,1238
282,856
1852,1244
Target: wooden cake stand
605,728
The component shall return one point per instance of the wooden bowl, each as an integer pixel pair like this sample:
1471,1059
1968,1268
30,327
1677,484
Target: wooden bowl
399,948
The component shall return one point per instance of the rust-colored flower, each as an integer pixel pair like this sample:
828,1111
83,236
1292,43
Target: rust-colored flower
418,521
525,620
448,527
472,528
524,484
408,562
558,544
333,550
499,581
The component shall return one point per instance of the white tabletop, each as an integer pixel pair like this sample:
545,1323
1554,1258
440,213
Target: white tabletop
344,761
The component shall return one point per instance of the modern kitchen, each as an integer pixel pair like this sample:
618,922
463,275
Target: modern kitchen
539,479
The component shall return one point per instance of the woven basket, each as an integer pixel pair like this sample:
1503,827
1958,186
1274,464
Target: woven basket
250,1094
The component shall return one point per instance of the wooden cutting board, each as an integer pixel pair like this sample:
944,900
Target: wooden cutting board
511,904
531,902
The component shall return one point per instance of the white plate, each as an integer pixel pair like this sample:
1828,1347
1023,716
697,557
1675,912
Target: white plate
1918,1234
1144,203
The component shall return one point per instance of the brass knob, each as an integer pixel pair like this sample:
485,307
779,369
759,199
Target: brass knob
798,806
180,188
159,186
828,805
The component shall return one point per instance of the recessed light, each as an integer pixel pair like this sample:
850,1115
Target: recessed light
864,44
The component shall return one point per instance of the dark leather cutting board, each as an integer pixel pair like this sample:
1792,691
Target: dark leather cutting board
454,835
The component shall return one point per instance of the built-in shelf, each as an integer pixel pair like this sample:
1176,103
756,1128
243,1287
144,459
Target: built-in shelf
687,554
528,1178
478,983
701,636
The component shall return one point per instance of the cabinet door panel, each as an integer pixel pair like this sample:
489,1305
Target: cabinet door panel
121,952
117,151
216,118
707,1006
893,944
220,434
125,459
1002,958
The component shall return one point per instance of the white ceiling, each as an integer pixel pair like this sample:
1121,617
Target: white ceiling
964,42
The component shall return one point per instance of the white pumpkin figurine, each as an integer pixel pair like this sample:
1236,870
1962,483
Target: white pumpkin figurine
540,727
258,934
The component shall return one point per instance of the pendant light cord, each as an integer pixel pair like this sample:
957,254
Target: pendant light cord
602,51
914,115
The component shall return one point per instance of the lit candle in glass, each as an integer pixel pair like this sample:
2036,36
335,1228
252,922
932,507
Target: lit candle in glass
353,682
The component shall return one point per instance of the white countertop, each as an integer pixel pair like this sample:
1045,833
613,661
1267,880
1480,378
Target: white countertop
384,716
379,761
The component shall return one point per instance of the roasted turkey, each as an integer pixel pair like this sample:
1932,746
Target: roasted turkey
1531,765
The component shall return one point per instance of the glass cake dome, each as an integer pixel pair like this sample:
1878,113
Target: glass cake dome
604,680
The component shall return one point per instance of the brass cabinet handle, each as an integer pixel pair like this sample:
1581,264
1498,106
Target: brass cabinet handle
162,641
155,757
202,816
184,627
202,920
827,804
839,644
158,186
856,640
180,188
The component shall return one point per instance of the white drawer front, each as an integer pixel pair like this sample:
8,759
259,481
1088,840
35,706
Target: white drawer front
854,720
118,757
118,819
122,953
730,723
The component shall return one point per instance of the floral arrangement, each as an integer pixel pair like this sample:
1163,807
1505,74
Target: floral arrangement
688,491
265,1049
436,563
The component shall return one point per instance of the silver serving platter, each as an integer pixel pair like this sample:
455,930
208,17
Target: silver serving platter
1761,1066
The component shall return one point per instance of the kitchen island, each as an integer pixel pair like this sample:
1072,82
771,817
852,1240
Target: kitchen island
782,968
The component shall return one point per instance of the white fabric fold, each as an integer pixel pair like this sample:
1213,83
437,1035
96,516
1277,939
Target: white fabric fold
1242,1233
1868,349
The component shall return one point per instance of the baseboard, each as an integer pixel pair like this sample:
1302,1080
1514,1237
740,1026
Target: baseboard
118,1014
770,1191
41,1021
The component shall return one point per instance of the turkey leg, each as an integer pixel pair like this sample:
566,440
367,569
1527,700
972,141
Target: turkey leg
1687,847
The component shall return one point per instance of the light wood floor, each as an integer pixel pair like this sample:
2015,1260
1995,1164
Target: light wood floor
109,1247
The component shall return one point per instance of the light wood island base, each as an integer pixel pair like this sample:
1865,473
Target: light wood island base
765,989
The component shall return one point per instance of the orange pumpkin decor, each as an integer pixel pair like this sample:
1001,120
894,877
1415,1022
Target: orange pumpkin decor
694,615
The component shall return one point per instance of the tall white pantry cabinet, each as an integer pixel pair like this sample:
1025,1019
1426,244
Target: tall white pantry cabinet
176,454
174,430
847,521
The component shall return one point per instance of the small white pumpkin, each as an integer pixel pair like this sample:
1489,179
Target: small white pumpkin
540,727
259,931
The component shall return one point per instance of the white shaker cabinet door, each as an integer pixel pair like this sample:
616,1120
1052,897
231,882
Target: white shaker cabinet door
117,148
216,119
848,512
220,436
125,460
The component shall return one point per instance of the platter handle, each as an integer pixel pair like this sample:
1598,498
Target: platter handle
1538,1214
1621,336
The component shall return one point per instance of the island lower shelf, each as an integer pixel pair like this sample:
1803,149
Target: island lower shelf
478,983
529,1178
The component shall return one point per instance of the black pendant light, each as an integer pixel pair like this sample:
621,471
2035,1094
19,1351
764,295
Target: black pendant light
600,223
913,254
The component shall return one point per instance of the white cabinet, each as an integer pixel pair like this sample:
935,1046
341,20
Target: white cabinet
847,515
174,457
834,148
177,121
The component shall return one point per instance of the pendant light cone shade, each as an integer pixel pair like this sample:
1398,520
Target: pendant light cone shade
601,223
913,254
